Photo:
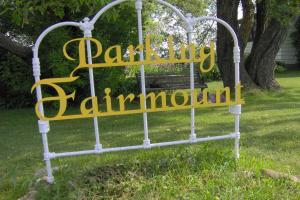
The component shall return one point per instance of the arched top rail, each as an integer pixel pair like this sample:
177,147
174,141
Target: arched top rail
105,8
117,2
86,23
48,30
96,17
225,24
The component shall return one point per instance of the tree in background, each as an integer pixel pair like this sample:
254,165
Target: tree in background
296,38
22,21
271,19
165,21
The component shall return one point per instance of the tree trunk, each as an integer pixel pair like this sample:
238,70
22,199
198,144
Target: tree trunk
227,10
269,35
262,58
244,32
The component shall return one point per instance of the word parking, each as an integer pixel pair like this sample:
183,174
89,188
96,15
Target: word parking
151,56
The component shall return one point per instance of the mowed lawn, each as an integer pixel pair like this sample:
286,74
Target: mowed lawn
270,139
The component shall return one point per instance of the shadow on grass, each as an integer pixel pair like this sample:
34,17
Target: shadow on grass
115,180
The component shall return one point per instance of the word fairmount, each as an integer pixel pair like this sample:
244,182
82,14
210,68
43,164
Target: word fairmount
152,57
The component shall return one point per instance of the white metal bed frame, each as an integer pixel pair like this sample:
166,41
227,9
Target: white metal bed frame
87,26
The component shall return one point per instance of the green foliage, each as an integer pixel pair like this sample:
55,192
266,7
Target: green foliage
25,20
128,85
213,75
280,67
27,14
15,82
296,38
195,7
284,10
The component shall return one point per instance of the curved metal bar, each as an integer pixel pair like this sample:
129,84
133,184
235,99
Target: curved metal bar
36,73
236,60
236,50
45,32
105,8
95,18
229,28
114,3
176,10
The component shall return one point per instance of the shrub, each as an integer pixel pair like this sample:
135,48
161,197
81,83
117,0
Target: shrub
280,67
212,75
16,81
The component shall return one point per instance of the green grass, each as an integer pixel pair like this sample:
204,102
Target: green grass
270,135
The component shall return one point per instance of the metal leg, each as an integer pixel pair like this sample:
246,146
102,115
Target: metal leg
237,148
50,178
190,27
87,28
237,139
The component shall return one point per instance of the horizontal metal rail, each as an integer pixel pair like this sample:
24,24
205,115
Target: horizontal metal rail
53,155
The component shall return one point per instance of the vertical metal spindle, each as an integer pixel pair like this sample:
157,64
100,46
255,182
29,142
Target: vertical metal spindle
87,28
43,125
190,27
138,6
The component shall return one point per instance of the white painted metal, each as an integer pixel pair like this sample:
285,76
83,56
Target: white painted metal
236,60
105,8
227,26
87,26
44,129
190,29
50,178
37,74
126,148
43,125
139,6
176,10
48,30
